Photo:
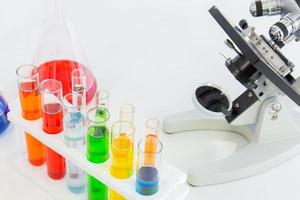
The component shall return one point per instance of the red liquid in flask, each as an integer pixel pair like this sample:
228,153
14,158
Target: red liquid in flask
61,70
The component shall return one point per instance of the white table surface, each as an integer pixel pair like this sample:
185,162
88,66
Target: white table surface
151,53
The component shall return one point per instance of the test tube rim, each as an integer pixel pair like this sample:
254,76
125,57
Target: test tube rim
82,73
143,151
95,108
127,105
29,76
51,91
72,105
106,92
123,121
158,127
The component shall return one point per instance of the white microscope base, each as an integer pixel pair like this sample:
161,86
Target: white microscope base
255,158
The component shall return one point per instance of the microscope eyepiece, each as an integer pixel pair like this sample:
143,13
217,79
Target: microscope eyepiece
265,8
285,28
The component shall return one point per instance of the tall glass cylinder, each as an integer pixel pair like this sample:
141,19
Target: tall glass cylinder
30,99
151,141
127,113
122,148
147,175
79,85
122,144
52,113
97,148
102,98
74,132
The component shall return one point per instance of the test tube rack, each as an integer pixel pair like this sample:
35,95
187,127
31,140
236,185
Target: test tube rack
172,180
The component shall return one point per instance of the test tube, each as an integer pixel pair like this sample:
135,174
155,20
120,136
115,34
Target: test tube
152,131
74,138
79,85
127,113
122,144
30,99
102,98
97,148
52,114
147,175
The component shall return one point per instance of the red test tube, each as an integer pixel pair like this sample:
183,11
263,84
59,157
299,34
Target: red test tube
52,114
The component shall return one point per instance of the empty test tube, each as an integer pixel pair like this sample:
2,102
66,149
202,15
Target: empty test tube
127,113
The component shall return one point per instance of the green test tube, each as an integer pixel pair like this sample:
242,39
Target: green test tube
97,149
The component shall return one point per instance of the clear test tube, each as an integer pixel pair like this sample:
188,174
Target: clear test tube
147,175
79,85
102,98
52,114
127,113
153,127
97,148
74,132
30,99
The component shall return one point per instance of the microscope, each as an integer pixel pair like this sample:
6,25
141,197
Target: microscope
267,113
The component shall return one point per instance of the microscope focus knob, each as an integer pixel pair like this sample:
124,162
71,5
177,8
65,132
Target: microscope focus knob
243,24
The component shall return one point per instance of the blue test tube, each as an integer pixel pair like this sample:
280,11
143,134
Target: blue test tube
148,166
74,131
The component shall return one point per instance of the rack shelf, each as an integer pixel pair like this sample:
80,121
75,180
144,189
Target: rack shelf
172,180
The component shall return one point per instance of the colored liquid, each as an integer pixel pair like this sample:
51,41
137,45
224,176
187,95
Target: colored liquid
56,166
3,122
74,138
150,149
97,144
76,178
122,157
113,195
35,150
52,118
30,99
61,70
147,181
53,124
96,189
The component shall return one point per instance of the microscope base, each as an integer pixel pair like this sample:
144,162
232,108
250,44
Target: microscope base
271,142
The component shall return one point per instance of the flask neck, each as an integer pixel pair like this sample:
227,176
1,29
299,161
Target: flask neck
53,12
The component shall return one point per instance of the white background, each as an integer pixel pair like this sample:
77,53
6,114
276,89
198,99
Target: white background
151,53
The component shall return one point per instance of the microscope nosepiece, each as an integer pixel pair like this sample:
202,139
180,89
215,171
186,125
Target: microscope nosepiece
265,7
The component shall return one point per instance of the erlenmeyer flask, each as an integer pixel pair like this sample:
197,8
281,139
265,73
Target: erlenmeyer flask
59,52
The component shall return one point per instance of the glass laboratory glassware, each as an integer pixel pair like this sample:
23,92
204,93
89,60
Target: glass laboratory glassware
102,98
52,114
96,189
127,113
30,99
3,114
153,127
147,175
97,148
59,52
79,85
122,148
74,134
